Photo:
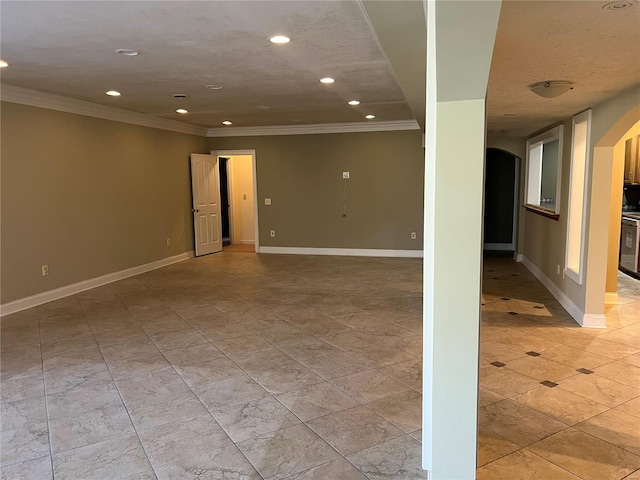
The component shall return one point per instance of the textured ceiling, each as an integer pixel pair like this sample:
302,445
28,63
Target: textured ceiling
67,48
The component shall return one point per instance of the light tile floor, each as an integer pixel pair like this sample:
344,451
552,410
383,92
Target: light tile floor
239,366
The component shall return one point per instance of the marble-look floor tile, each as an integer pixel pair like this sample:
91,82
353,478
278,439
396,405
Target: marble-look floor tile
174,340
396,459
21,388
487,397
408,372
261,359
506,382
201,460
251,419
88,393
403,410
603,347
586,456
517,423
633,359
185,434
287,451
245,344
369,386
22,412
24,443
575,357
382,355
122,458
562,405
138,365
599,389
149,417
316,400
523,465
90,427
203,374
336,364
541,369
614,427
631,407
151,388
620,372
355,429
492,446
285,378
230,392
38,468
335,469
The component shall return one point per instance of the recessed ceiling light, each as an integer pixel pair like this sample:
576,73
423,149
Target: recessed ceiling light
3,64
213,87
180,95
127,52
113,93
370,117
354,102
263,107
226,122
620,5
182,110
327,80
279,39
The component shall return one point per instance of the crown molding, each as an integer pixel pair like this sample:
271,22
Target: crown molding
34,98
348,127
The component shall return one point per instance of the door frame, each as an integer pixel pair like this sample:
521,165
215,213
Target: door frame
252,153
516,203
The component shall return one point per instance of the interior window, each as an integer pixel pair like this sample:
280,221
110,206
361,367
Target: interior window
544,159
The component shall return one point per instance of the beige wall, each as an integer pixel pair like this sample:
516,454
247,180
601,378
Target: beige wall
302,174
242,202
545,239
88,197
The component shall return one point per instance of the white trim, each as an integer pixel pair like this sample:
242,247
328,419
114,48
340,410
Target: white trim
348,252
347,127
584,320
533,173
518,257
611,298
495,247
67,290
33,98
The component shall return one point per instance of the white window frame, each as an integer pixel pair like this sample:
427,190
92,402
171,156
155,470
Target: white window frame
533,179
577,214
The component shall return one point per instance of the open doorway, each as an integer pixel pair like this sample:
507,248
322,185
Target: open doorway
500,200
238,199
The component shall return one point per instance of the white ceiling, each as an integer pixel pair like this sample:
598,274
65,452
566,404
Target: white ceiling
68,48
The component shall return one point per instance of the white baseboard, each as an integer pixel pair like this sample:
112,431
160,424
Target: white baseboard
584,320
244,242
67,290
349,252
611,298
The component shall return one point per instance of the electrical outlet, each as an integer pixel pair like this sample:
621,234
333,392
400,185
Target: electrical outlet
244,196
558,269
273,233
413,235
267,201
45,270
168,242
345,175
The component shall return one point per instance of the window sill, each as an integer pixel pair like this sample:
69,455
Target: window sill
543,212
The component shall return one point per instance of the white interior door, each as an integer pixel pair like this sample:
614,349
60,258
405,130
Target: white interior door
205,185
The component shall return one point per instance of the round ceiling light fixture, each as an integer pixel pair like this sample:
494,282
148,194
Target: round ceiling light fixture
182,111
279,39
551,88
370,117
227,122
327,80
3,64
213,87
354,102
113,93
620,5
127,52
180,96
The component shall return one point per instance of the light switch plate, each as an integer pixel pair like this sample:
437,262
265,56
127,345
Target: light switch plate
345,175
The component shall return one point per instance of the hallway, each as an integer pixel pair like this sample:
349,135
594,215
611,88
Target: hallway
238,365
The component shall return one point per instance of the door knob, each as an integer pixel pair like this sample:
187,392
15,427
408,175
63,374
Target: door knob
195,210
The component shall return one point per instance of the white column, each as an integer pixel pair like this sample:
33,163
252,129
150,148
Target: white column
460,38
